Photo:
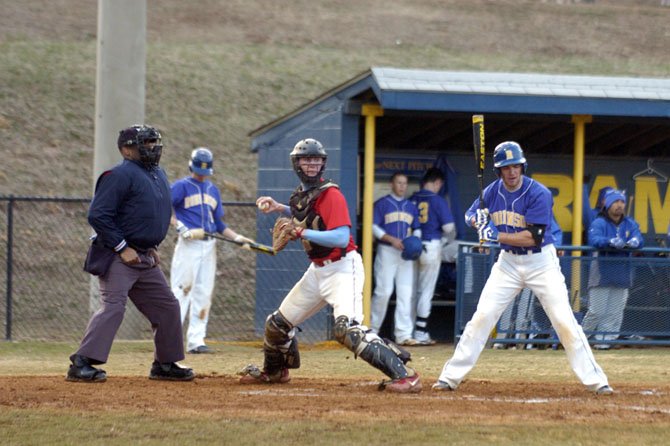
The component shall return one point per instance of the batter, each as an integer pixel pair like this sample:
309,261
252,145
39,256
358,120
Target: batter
517,215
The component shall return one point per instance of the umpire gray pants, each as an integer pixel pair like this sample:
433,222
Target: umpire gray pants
147,288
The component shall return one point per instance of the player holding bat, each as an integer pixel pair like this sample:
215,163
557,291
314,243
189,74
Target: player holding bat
318,215
517,214
197,209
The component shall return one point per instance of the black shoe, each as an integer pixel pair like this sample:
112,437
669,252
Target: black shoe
170,371
202,349
81,370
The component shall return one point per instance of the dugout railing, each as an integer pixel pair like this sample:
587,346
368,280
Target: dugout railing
48,296
646,317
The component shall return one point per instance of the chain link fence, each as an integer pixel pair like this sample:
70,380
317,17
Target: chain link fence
645,304
48,296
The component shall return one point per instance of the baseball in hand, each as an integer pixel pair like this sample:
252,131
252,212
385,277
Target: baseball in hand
263,206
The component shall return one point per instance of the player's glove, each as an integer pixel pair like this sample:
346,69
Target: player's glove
194,234
617,242
481,218
243,239
488,233
283,232
633,242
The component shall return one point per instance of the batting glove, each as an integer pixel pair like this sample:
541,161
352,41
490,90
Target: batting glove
488,233
243,239
634,242
617,242
194,234
481,218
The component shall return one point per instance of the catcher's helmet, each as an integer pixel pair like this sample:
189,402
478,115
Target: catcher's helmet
508,153
308,148
141,136
201,161
412,248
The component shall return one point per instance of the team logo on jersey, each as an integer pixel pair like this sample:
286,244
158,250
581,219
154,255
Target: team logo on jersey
508,218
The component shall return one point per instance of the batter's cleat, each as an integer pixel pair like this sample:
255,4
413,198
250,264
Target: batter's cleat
251,374
407,342
201,349
170,371
442,386
605,390
408,384
81,370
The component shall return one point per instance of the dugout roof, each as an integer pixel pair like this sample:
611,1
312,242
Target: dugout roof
431,110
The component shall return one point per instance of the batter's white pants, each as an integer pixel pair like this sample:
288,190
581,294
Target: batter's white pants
339,284
605,313
192,281
392,271
542,274
428,271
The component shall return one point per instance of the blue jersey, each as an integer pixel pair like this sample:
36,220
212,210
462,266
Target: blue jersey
396,218
513,211
434,213
198,204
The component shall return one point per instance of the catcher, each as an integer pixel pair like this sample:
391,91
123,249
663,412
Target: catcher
335,277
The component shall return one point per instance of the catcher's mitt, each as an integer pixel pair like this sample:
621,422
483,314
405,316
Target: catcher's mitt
283,232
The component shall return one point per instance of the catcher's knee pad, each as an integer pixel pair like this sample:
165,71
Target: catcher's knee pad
280,346
373,350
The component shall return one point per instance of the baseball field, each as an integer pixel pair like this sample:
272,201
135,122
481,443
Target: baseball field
510,398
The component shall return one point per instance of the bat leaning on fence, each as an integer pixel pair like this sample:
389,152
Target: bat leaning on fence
265,249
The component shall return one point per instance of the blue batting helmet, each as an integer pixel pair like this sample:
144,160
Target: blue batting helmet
508,153
201,161
412,248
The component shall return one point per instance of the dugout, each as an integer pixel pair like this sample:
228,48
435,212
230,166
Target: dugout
580,133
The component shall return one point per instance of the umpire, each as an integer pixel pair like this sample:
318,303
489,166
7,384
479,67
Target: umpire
130,214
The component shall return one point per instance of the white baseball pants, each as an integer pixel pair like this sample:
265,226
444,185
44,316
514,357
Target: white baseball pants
192,276
392,271
541,273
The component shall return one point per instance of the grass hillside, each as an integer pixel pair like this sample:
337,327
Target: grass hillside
218,69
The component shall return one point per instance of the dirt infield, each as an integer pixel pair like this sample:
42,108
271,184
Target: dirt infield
475,402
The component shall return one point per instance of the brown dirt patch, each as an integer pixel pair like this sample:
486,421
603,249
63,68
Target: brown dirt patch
475,402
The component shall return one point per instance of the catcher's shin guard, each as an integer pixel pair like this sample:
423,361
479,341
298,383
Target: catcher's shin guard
280,346
371,348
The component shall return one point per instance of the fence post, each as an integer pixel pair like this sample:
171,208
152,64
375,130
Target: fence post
10,231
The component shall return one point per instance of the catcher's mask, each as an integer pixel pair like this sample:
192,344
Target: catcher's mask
201,161
308,148
508,153
146,139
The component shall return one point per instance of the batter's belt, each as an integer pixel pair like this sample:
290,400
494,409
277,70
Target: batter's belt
525,251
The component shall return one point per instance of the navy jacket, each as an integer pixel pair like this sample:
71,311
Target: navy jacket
131,206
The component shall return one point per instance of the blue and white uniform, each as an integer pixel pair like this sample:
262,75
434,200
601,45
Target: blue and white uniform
536,268
397,217
196,205
436,224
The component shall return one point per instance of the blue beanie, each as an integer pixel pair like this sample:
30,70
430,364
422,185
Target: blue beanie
601,196
613,196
